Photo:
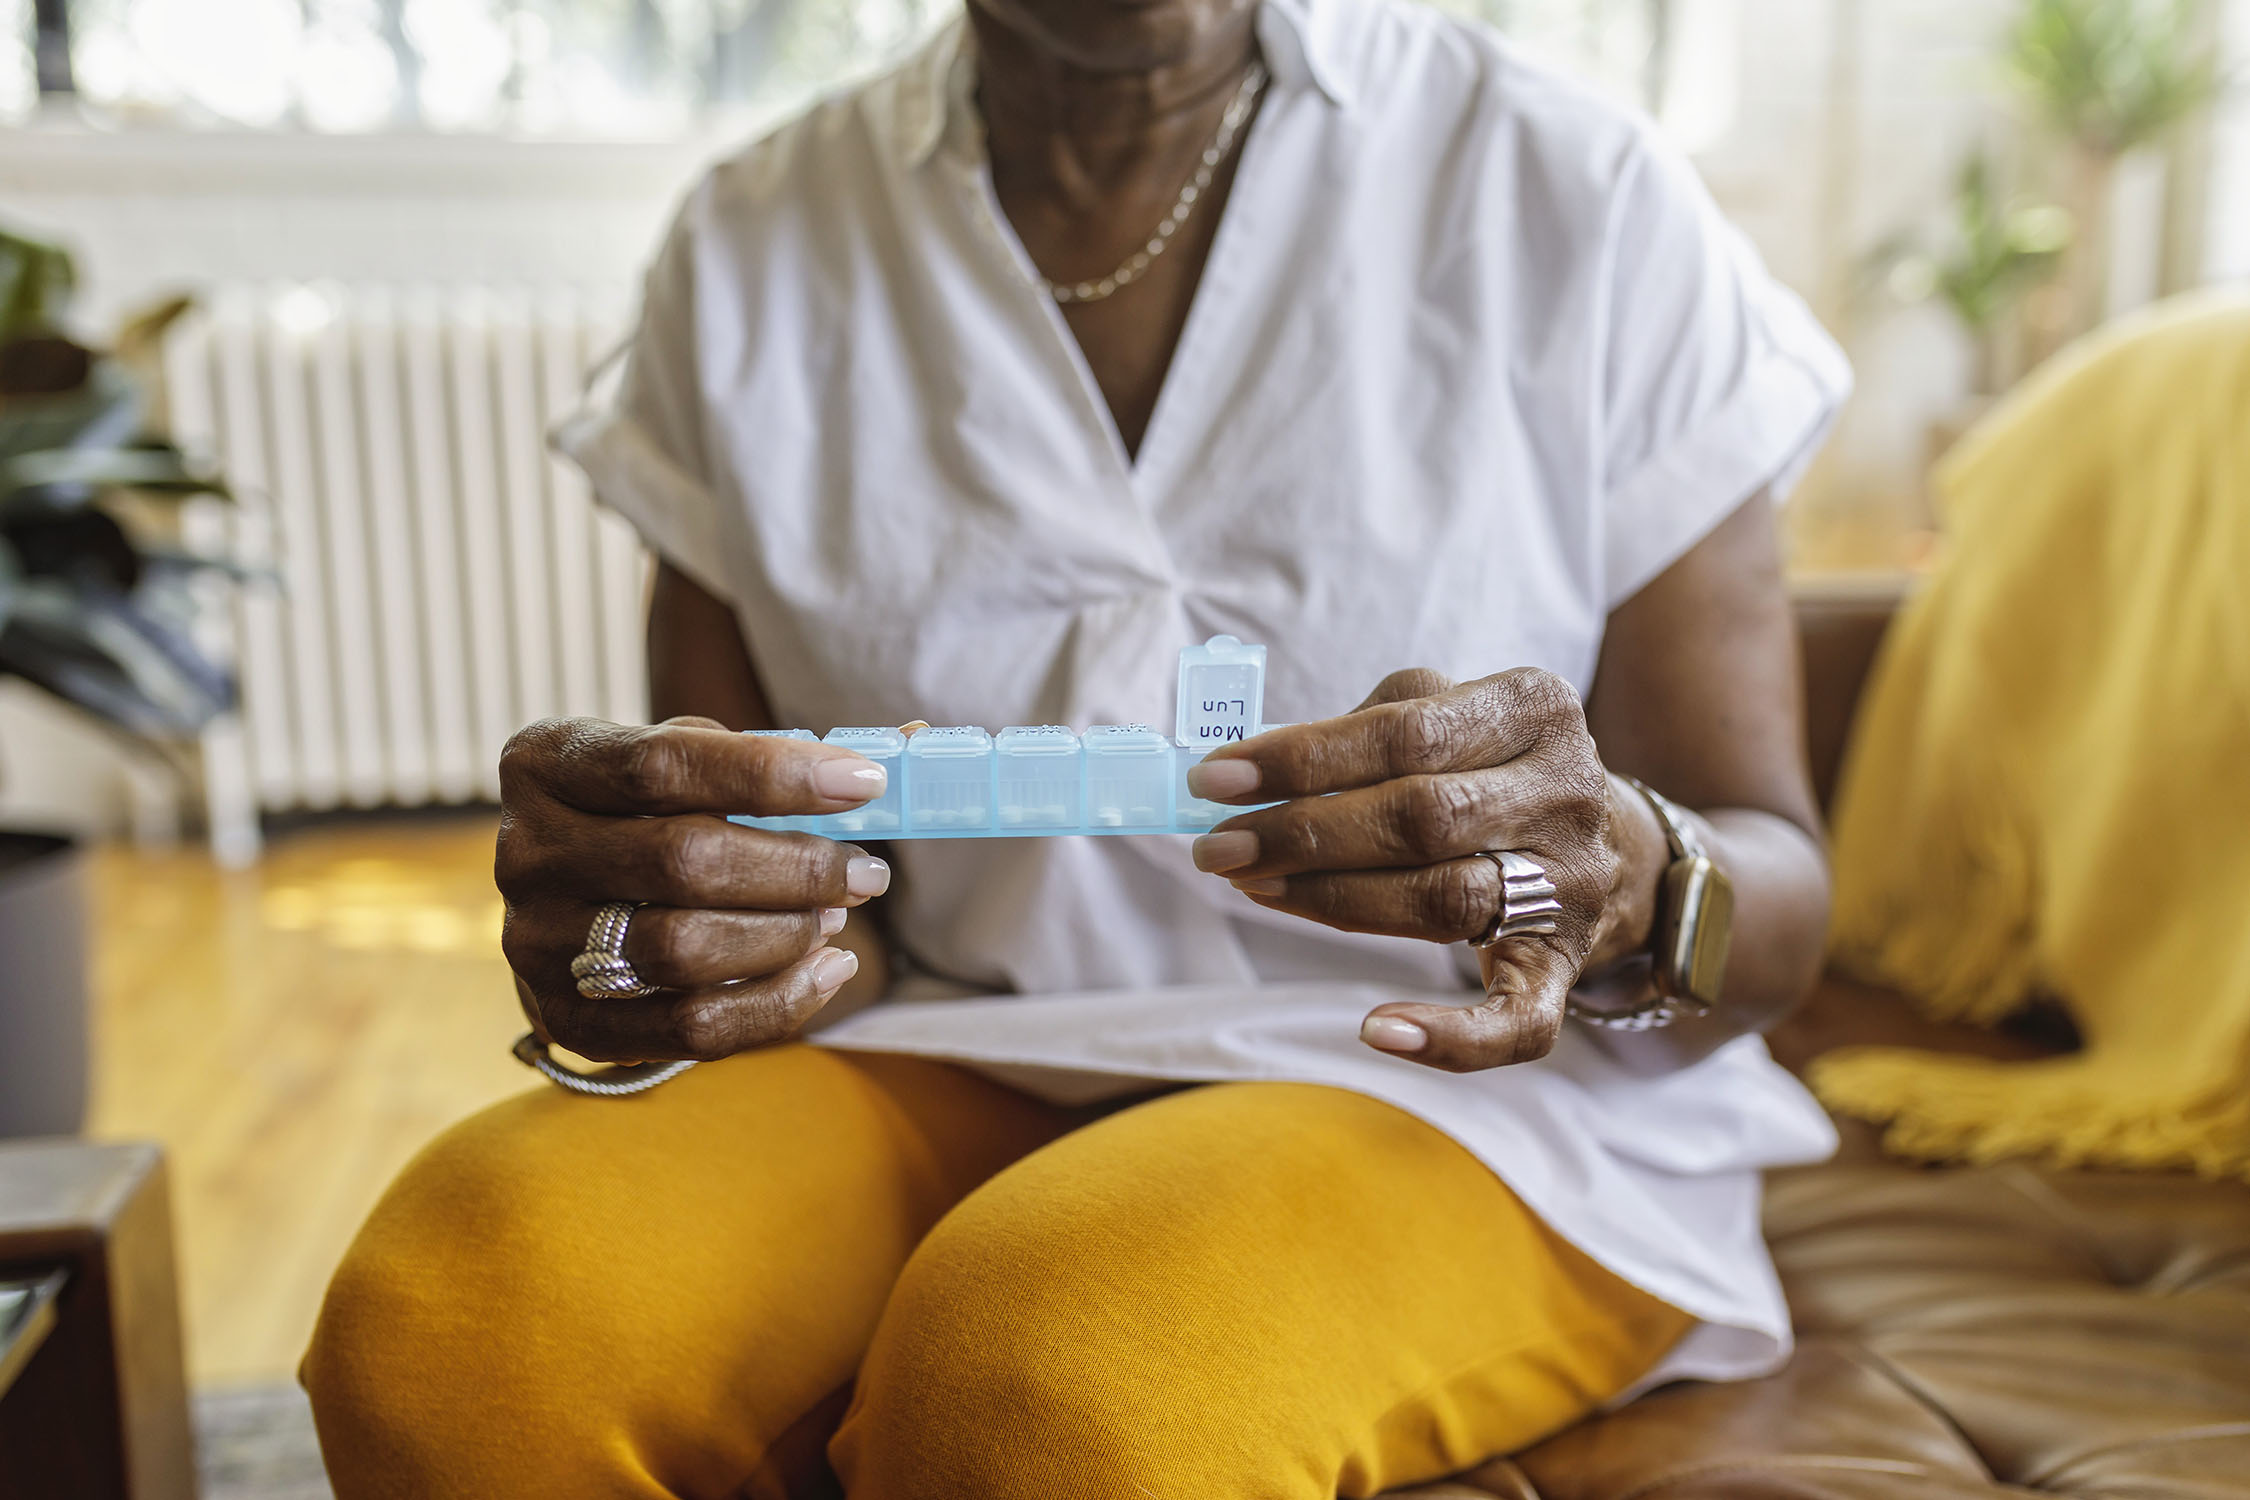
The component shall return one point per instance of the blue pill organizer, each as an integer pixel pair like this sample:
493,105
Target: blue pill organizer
1047,780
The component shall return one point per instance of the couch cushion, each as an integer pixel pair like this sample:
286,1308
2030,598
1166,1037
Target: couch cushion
1967,1332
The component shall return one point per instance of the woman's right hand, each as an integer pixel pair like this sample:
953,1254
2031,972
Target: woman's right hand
736,923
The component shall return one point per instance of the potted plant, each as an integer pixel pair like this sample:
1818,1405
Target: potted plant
1999,249
2109,77
95,610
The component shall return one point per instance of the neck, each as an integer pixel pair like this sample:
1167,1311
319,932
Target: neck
1054,126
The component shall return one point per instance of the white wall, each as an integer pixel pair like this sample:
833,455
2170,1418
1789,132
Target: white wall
149,211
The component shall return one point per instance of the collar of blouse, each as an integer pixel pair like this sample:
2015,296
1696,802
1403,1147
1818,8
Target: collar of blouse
1306,43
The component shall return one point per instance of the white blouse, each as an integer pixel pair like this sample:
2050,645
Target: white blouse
1472,359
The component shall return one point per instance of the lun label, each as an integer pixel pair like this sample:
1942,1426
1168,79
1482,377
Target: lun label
1222,692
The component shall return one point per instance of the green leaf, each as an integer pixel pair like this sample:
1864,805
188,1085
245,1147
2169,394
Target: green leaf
1999,248
36,281
11,580
161,469
2114,75
105,412
184,560
106,658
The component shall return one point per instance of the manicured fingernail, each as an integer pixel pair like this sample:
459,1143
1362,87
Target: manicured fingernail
867,876
1217,780
1390,1034
1271,885
850,779
831,968
832,920
1217,853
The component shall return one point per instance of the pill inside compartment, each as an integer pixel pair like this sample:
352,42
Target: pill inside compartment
887,748
1128,777
949,779
1191,814
1040,772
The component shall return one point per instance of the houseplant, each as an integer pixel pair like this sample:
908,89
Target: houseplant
2108,78
95,610
1999,248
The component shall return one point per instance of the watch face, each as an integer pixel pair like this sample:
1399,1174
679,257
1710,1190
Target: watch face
1697,930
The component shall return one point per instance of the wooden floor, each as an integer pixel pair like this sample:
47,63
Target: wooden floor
292,1034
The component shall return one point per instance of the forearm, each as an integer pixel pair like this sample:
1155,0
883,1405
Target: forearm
1780,878
1698,694
698,663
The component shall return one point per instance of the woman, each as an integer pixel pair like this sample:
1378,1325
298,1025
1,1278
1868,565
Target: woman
1099,327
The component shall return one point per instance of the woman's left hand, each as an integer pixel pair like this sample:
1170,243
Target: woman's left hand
1389,808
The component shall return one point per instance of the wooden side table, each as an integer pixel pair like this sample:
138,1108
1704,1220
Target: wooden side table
93,1386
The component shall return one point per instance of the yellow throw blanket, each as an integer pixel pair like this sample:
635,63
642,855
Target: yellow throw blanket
2049,789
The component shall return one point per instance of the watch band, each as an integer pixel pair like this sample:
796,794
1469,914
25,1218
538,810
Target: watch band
1678,831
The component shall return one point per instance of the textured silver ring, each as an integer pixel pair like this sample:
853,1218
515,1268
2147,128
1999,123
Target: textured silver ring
1528,907
601,969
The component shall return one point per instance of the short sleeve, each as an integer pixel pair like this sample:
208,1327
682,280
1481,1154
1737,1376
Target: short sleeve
639,434
1719,382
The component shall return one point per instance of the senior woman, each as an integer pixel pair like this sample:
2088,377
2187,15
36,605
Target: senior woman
1266,1168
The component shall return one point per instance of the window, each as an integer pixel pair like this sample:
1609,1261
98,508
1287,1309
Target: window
1620,44
602,68
2227,248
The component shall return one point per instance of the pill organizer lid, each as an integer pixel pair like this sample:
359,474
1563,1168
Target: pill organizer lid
1114,737
1228,675
951,739
1038,739
783,734
869,741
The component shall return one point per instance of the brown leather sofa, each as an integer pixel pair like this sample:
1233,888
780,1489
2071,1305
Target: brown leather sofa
1962,1332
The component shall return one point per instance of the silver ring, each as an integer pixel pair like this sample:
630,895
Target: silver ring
601,969
1528,907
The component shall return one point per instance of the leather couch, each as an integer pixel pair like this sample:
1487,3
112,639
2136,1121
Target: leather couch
1962,1332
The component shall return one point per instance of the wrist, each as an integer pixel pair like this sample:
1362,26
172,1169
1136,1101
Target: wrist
1643,854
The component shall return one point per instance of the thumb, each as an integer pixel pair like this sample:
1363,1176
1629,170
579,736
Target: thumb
1526,987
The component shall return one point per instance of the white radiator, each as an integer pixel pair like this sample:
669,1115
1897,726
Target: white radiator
443,579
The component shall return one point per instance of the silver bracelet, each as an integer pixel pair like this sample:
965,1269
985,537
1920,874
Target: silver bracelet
1653,1014
616,1083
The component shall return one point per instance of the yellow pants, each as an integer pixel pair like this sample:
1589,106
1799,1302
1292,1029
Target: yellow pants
1253,1291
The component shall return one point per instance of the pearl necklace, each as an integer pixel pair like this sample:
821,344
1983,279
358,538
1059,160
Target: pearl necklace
1238,110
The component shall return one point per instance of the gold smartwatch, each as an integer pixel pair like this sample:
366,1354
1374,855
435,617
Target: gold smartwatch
1690,935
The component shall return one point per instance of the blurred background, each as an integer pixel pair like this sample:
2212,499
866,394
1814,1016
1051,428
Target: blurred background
327,268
